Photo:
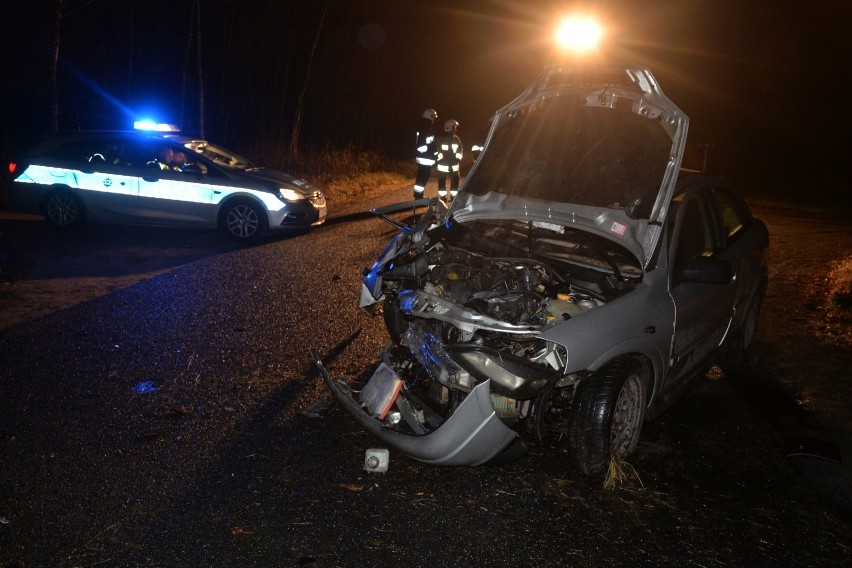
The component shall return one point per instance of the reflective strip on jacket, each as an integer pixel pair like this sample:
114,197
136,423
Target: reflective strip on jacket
450,152
424,149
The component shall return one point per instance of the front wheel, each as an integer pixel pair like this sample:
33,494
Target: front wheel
64,210
607,415
244,221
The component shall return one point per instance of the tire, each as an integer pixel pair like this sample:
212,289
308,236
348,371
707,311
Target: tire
244,221
607,415
551,413
64,210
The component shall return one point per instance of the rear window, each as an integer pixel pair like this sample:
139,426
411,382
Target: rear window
79,151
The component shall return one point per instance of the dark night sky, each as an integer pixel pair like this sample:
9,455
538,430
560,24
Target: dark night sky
763,80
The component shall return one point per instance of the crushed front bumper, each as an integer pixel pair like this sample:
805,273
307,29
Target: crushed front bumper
473,435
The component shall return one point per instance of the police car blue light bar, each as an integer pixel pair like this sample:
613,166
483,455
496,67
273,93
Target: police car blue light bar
155,126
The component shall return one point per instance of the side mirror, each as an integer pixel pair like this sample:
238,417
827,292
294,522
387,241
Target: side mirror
705,270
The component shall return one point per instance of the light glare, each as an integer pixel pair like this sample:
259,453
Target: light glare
579,34
155,126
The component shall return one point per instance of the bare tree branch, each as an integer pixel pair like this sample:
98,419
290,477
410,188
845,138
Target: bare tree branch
297,122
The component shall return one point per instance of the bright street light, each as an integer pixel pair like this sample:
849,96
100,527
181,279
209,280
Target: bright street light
579,34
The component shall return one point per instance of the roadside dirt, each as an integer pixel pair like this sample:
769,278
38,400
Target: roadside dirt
43,269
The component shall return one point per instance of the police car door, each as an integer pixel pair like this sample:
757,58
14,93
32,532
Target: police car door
172,197
106,188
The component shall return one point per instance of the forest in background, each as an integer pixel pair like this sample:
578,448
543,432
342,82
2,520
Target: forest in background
274,78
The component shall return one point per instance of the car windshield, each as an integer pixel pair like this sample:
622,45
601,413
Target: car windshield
219,155
561,149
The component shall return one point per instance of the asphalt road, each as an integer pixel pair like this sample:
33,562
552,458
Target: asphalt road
168,424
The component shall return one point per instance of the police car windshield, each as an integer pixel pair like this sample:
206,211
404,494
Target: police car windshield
220,156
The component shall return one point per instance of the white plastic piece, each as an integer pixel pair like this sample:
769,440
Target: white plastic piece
376,460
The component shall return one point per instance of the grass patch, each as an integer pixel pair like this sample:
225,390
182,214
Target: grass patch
781,204
344,175
832,295
840,285
8,292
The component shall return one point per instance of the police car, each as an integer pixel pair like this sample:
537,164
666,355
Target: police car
159,178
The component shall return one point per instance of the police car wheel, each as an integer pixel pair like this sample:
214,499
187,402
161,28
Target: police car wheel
64,210
244,221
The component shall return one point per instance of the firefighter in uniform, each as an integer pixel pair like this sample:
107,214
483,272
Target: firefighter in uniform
424,151
450,151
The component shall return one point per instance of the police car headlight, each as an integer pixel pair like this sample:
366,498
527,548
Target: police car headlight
289,194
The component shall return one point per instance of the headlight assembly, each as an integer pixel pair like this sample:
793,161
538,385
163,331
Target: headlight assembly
289,194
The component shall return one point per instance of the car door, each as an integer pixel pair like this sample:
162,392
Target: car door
745,245
108,190
171,197
703,310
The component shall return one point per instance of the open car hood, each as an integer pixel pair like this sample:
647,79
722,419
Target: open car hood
591,147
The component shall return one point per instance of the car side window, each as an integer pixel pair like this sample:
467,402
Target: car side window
696,234
92,151
139,153
108,152
734,214
77,151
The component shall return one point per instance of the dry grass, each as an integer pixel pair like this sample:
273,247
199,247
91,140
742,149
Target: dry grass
346,188
831,295
840,285
344,174
619,472
787,205
8,290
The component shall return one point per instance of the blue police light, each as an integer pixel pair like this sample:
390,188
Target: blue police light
155,126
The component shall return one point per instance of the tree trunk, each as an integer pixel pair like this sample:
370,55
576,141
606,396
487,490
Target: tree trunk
54,63
131,52
186,55
200,74
297,121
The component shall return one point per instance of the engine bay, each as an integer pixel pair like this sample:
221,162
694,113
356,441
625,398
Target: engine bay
509,274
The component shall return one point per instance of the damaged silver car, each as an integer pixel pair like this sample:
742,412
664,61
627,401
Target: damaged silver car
578,284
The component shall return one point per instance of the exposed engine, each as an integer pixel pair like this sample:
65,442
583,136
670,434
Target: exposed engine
455,314
515,291
504,290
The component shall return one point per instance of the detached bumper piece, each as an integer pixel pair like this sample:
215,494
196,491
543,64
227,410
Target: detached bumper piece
472,435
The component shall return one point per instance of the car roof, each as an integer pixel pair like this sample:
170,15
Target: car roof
65,136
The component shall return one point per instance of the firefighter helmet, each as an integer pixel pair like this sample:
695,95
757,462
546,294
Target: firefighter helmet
430,114
451,125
